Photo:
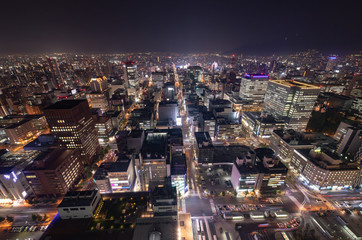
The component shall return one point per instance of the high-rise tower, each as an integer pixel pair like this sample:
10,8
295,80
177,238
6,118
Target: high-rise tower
290,101
72,124
131,77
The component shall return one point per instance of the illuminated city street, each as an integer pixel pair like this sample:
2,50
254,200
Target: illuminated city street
188,120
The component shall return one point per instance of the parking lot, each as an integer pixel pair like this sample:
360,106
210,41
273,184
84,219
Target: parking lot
215,180
23,232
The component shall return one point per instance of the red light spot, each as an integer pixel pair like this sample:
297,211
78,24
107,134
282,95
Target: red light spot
58,85
262,73
233,55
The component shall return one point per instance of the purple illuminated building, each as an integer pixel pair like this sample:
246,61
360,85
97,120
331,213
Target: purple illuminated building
253,87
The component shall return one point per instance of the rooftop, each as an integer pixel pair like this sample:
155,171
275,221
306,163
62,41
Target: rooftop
326,159
66,104
19,160
50,159
155,144
15,125
158,228
178,164
293,83
228,154
202,138
78,198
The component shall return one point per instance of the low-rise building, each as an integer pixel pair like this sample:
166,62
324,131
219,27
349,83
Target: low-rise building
260,125
203,147
164,201
114,177
79,204
265,173
228,130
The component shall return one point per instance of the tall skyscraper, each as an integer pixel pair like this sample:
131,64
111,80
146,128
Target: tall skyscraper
99,96
131,77
72,124
98,84
332,62
290,101
253,87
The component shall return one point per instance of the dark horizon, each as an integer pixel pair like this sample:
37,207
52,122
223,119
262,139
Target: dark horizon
260,28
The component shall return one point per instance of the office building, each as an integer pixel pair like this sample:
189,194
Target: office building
356,107
154,163
261,125
79,204
101,179
208,123
228,130
331,64
290,101
164,201
98,84
54,172
169,92
263,173
116,117
167,114
121,175
131,77
13,184
104,128
73,127
115,177
21,131
284,142
98,101
179,173
135,140
321,169
253,88
142,118
350,142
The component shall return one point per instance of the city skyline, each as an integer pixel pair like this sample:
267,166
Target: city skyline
187,120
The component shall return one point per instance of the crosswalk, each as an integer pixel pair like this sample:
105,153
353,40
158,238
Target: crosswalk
213,208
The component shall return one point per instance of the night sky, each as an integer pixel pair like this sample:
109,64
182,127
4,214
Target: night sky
249,27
